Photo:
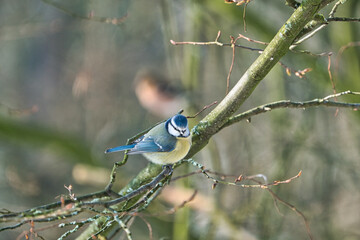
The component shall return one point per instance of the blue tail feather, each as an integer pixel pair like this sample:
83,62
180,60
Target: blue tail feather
119,148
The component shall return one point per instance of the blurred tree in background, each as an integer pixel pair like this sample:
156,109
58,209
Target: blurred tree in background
72,77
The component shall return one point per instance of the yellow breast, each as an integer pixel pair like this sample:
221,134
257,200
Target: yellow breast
181,149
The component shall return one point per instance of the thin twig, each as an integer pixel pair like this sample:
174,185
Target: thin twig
297,211
332,81
260,185
122,225
343,19
298,73
217,43
323,54
292,207
244,15
335,7
234,183
166,171
233,45
275,183
331,18
233,42
203,109
148,226
91,17
340,52
176,208
306,37
289,104
252,40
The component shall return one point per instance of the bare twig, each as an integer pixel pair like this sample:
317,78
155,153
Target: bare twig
259,184
323,54
340,53
324,23
298,73
114,21
297,211
275,183
290,206
306,37
203,109
71,194
252,40
330,75
238,2
176,208
289,104
166,172
217,43
233,42
244,14
332,81
43,213
233,45
335,7
343,19
148,226
234,183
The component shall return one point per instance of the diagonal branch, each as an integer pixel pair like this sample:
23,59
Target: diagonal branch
276,49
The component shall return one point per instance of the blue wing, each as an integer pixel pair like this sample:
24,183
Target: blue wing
143,145
148,145
156,140
119,148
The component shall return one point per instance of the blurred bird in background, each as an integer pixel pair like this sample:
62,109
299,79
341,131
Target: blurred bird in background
157,95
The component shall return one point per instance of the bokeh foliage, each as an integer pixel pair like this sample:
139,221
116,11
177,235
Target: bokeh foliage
79,75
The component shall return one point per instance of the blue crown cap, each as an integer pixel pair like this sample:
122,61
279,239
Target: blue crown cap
179,120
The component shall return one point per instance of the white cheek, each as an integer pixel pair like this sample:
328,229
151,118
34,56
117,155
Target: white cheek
172,131
187,133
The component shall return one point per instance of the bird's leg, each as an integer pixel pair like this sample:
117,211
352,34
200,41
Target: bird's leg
169,169
108,188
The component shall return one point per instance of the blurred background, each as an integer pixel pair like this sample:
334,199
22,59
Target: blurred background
71,86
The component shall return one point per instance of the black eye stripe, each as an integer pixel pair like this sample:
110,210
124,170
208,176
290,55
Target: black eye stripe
174,127
181,131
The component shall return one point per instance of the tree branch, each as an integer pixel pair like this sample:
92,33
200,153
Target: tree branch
276,49
343,19
289,104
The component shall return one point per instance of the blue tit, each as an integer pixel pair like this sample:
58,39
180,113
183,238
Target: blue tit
166,143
